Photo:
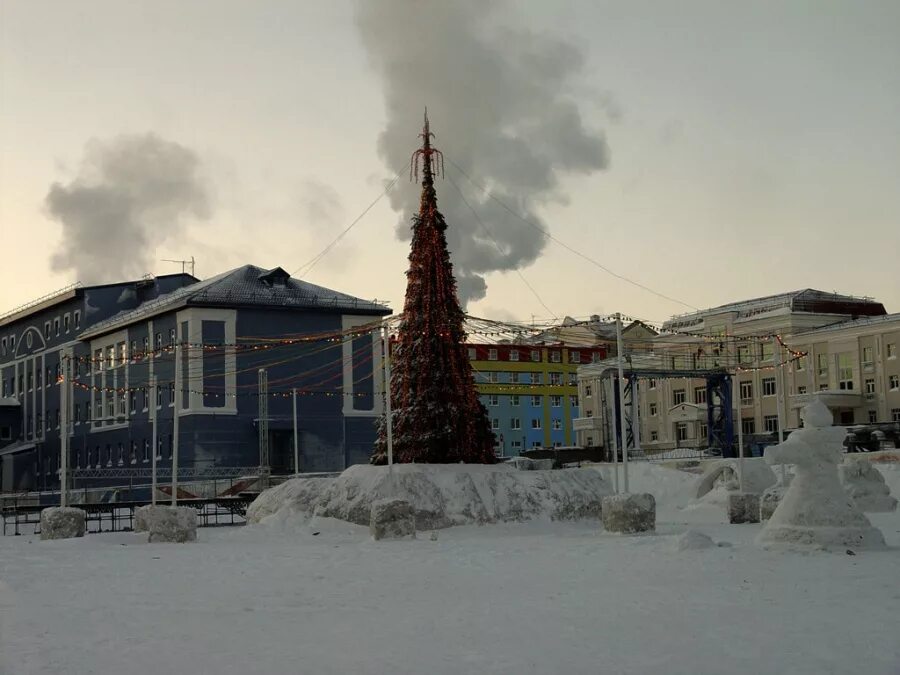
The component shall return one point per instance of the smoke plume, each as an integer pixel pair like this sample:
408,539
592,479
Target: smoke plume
131,192
501,105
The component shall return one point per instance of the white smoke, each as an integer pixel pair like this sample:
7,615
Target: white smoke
502,106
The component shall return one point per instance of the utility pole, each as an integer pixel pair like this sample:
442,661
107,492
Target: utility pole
735,389
64,432
175,415
622,424
154,413
386,336
264,467
296,444
779,400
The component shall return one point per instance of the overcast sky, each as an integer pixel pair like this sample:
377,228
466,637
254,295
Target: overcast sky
712,151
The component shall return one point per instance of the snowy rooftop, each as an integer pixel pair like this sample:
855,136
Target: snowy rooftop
854,323
246,286
806,300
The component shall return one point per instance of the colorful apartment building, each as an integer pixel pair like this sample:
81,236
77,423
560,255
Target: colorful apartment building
530,392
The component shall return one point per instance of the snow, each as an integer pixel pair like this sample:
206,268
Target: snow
320,596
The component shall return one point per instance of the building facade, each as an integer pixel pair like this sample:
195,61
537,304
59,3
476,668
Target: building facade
203,344
530,392
851,344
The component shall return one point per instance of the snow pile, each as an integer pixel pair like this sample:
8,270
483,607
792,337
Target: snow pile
295,497
443,495
392,519
693,540
866,486
58,522
816,512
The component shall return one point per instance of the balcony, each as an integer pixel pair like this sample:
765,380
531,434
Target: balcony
587,423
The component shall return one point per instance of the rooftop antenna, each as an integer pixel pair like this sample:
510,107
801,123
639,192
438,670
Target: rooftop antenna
184,264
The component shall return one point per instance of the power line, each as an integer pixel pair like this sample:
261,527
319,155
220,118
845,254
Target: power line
307,267
563,244
499,248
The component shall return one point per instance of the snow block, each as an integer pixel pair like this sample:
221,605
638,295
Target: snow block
59,522
743,507
769,501
629,513
443,495
866,486
176,524
392,519
144,515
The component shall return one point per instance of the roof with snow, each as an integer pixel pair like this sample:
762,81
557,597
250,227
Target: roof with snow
247,286
807,300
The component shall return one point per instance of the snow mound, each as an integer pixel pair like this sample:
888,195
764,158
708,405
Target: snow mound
693,540
297,496
443,495
866,486
758,476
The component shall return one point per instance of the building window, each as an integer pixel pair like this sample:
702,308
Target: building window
556,401
515,423
557,424
513,354
653,410
171,393
588,413
132,402
746,393
38,376
536,402
823,387
555,357
822,365
99,405
654,436
873,417
845,371
535,422
743,353
132,457
493,376
702,430
801,389
46,330
77,319
110,405
57,419
556,379
574,357
768,386
767,351
122,404
868,356
895,414
56,326
869,385
157,344
536,378
76,414
651,383
516,445
699,395
573,379
492,354
589,441
587,391
159,391
134,352
495,423
894,382
171,337
514,399
770,422
681,431
110,357
473,353
678,396
493,400
30,380
514,377
121,455
123,353
535,444
748,425
3,347
891,350
66,323
801,363
535,354
573,401
39,422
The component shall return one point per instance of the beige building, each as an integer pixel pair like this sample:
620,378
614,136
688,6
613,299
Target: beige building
852,346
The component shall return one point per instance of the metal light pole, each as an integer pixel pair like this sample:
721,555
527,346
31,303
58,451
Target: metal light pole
175,431
387,394
154,413
296,444
264,466
622,425
64,432
735,388
779,401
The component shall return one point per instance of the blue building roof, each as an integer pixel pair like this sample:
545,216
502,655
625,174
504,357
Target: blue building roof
247,286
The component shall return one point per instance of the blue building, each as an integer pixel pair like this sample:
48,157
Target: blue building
119,338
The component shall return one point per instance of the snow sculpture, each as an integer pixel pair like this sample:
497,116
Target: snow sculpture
866,486
770,500
145,515
629,513
815,511
743,507
59,522
176,524
392,519
757,476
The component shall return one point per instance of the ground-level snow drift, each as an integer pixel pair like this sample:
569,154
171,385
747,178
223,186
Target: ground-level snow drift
441,495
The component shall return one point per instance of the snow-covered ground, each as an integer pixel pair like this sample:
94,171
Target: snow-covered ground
322,597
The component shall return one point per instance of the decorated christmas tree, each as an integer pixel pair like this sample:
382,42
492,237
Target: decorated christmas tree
437,417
